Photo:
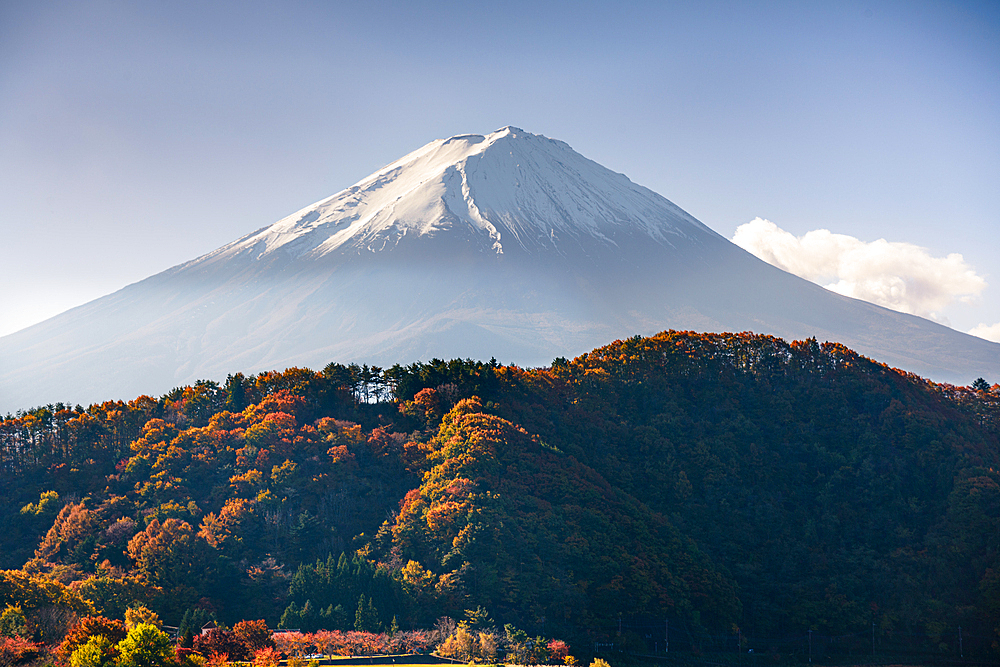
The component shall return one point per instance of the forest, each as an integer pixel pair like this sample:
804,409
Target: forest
723,492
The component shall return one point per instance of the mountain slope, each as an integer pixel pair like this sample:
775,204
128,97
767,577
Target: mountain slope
822,481
509,244
510,524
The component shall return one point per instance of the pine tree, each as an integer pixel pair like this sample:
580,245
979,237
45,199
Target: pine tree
366,618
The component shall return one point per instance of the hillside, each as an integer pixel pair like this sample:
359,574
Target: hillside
721,481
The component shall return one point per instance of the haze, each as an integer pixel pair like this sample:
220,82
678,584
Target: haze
137,136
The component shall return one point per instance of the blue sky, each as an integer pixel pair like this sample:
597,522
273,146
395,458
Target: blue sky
137,135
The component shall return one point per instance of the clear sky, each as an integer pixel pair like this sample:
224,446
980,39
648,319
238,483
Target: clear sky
138,135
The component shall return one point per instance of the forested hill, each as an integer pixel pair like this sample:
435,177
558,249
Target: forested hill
721,481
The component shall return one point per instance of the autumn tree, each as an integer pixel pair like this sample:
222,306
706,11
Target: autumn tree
18,651
97,651
218,642
235,529
141,614
252,636
171,556
91,626
13,623
145,646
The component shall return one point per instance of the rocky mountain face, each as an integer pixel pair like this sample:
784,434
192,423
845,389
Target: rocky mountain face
509,245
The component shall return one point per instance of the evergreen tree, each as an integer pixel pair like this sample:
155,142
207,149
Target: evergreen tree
366,618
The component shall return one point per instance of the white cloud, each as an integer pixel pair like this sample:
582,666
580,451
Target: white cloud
900,276
987,331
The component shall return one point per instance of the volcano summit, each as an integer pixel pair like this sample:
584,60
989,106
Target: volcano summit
509,245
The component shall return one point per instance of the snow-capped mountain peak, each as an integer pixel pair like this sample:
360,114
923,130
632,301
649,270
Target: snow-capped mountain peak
511,189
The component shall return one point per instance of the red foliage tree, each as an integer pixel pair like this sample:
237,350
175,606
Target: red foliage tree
252,636
17,651
558,650
218,642
90,626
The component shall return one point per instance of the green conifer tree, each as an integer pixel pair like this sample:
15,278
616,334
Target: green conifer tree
366,618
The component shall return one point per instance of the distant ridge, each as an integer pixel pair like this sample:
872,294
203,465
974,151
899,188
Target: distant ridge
509,245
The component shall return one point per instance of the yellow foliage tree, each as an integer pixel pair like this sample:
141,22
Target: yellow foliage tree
136,615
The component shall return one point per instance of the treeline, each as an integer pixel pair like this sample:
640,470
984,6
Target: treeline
720,480
61,433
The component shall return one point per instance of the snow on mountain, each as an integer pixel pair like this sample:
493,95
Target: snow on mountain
509,245
515,191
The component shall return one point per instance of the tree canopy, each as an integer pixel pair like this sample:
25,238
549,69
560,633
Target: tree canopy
719,480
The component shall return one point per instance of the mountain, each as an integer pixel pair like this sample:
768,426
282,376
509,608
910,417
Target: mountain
509,245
